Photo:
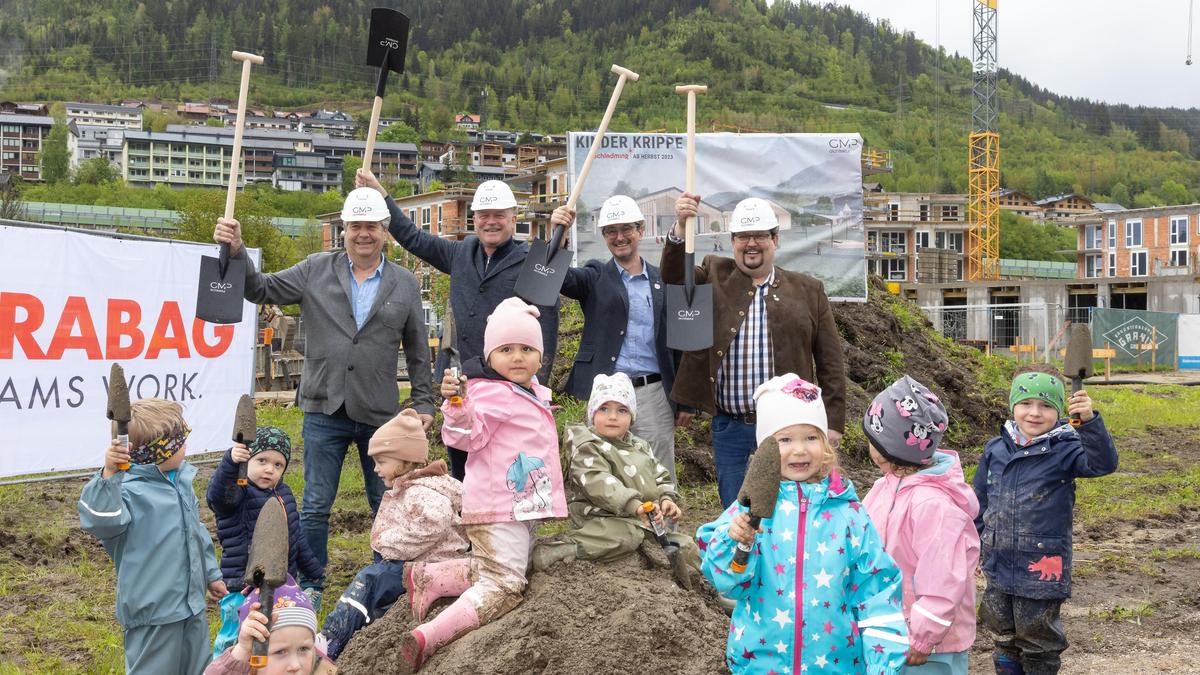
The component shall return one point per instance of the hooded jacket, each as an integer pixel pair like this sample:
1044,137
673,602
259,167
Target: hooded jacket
150,527
418,517
819,593
509,434
236,510
607,475
927,524
1027,501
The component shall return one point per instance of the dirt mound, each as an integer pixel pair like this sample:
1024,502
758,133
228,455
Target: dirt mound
578,617
887,337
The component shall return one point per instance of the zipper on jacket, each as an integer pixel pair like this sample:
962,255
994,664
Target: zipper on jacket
798,634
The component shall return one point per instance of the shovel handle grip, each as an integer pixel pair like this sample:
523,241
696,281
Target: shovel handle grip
258,655
742,554
577,189
689,234
243,479
1076,385
122,439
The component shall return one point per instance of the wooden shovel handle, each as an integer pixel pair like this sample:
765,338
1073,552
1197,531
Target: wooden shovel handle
689,234
622,75
243,91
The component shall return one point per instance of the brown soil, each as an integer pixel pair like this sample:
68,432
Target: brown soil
577,617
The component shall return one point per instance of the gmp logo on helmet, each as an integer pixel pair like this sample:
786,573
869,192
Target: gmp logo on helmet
749,220
614,214
360,210
487,199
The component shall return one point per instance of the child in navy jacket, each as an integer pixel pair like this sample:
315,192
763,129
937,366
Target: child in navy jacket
1026,489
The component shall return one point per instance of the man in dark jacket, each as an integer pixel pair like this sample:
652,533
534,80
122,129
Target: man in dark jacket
483,269
358,308
767,321
623,306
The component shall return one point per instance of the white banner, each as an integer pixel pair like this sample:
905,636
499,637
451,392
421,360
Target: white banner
1189,341
813,181
72,304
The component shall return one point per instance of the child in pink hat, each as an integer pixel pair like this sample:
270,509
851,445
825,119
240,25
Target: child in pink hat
513,479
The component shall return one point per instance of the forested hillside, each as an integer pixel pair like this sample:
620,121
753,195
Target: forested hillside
542,65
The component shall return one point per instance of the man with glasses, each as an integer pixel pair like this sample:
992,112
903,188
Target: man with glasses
767,321
623,306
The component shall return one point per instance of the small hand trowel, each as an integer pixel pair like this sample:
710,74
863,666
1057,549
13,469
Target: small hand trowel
1078,365
679,567
118,406
245,427
759,491
267,566
456,373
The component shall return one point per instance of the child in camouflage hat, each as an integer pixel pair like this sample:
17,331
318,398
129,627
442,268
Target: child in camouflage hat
236,508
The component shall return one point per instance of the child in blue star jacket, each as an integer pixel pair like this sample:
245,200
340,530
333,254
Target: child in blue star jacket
819,593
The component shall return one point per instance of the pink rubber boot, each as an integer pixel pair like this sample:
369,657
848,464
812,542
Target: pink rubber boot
424,640
426,582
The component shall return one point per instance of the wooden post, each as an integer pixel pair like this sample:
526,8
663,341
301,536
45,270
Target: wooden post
1107,362
1153,348
1017,349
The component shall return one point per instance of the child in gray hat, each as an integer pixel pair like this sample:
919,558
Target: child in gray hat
924,511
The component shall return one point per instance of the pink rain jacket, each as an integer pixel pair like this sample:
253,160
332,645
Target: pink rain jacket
927,524
513,470
418,517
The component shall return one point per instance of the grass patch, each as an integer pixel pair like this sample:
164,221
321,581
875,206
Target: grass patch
1129,409
1133,615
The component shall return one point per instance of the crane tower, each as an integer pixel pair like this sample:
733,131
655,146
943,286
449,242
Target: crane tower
983,159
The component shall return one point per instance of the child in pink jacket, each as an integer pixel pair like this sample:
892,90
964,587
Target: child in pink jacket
925,512
513,482
417,524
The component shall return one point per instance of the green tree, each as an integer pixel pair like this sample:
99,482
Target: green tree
56,161
1120,194
1174,193
350,165
399,132
198,216
11,206
214,122
96,171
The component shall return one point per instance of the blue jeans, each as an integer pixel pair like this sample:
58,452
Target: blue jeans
326,440
733,443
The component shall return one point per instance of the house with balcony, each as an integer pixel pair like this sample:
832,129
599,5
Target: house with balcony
21,140
101,115
900,225
306,172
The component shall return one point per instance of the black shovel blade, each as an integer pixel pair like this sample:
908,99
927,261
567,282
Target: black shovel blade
689,324
540,281
387,39
219,298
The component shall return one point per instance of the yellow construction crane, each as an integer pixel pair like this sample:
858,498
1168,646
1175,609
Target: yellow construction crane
983,156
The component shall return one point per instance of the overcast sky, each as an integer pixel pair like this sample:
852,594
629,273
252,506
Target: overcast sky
1118,51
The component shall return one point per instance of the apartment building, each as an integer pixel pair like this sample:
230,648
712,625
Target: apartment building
307,172
392,163
899,225
1137,243
21,139
199,158
86,142
101,115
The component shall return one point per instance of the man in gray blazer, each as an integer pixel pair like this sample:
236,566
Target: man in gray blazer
358,309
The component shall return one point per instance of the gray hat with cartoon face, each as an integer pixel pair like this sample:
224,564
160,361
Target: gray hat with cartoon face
906,421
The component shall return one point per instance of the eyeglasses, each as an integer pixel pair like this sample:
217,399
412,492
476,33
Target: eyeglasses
756,237
611,232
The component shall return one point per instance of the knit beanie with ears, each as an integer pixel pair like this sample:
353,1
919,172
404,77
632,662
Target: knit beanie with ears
401,438
787,400
616,387
906,422
512,322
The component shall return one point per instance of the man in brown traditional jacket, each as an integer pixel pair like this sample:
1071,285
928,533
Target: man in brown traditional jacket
767,321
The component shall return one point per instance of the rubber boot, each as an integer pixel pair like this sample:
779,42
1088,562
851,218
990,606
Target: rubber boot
424,640
1007,666
427,582
546,554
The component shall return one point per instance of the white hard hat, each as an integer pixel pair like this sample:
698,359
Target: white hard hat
493,194
620,209
753,215
364,203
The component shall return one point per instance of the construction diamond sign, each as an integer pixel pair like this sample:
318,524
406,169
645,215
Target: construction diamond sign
1135,336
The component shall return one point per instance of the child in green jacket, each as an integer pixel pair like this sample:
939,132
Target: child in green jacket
612,474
